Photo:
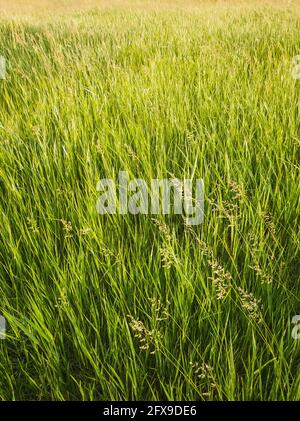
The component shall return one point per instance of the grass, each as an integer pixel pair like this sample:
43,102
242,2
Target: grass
125,307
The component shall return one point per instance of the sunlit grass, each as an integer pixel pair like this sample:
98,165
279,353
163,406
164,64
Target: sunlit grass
158,94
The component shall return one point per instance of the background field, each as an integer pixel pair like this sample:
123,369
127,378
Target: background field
113,307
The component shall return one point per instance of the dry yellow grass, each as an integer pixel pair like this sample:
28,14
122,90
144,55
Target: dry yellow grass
28,8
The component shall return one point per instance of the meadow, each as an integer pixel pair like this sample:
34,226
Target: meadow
138,307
